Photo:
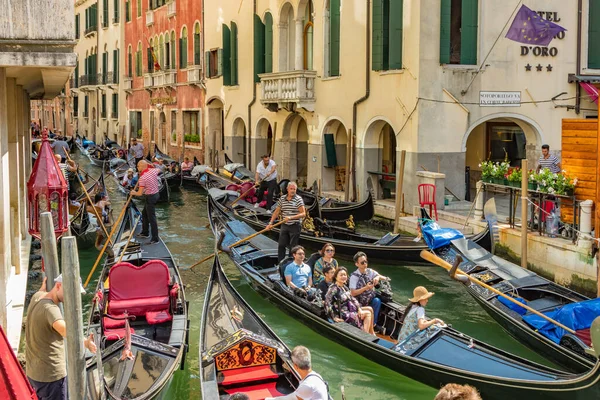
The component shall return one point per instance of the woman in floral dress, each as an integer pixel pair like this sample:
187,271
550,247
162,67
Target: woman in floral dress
342,307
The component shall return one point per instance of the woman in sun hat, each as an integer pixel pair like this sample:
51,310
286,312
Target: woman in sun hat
414,317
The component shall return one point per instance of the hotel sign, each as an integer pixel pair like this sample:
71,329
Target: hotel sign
163,100
500,99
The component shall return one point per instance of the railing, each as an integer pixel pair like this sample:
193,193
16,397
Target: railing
114,115
90,29
289,87
73,83
101,79
171,9
127,83
148,81
170,77
149,17
158,78
194,74
87,80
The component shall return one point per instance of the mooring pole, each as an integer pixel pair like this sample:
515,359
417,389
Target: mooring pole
524,194
49,249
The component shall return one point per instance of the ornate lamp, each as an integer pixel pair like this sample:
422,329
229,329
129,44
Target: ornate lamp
47,190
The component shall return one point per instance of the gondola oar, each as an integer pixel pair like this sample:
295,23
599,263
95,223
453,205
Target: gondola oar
447,266
219,176
112,231
238,242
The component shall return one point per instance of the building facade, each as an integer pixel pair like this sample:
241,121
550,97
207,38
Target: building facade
57,114
163,67
314,82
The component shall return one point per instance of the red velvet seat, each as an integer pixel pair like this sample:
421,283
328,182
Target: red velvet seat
110,323
158,317
584,335
257,392
116,334
249,374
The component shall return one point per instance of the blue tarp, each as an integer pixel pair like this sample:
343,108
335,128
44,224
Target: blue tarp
576,316
436,237
513,306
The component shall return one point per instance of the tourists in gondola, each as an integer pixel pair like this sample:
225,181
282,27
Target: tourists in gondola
129,179
312,385
298,275
148,187
363,282
414,318
266,175
101,201
454,391
327,281
187,166
327,253
292,211
341,306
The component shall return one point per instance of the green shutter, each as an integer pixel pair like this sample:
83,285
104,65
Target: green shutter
226,58
219,62
77,26
104,66
129,66
207,72
468,35
196,49
268,43
185,52
116,10
334,38
330,149
173,53
445,12
127,12
377,35
104,106
149,56
395,41
115,65
234,54
105,12
594,35
259,47
95,14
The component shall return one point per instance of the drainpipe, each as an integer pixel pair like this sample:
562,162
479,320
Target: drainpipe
578,62
249,138
367,88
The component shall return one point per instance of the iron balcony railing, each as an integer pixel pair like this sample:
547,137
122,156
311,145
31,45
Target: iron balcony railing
87,80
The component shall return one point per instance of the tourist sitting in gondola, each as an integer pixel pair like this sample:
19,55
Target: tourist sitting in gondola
298,275
414,319
327,281
327,253
129,179
363,282
101,201
187,166
341,306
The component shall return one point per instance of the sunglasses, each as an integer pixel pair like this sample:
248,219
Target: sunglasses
364,262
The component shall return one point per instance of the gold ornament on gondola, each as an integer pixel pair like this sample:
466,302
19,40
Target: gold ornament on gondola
350,222
308,224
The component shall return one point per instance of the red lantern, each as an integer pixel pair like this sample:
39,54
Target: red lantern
47,190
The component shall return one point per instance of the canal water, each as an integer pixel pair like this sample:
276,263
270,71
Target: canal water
183,225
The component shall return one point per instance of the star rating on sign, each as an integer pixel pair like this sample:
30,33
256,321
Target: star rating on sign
538,67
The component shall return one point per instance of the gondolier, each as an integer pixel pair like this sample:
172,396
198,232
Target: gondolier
292,211
266,174
149,187
137,149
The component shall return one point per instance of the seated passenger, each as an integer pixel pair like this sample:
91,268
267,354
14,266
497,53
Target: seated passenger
342,307
298,274
73,200
101,201
414,317
323,286
363,282
129,179
187,166
327,253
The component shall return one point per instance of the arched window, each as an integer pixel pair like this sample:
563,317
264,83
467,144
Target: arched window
138,60
149,58
183,49
268,43
173,51
197,44
307,37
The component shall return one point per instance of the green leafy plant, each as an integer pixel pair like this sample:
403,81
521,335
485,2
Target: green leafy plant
174,136
139,133
555,183
486,169
192,138
514,175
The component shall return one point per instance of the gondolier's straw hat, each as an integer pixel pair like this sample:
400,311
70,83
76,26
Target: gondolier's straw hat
420,293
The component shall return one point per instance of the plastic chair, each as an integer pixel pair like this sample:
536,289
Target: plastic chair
427,197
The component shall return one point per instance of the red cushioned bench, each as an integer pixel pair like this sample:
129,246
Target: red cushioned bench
257,392
249,374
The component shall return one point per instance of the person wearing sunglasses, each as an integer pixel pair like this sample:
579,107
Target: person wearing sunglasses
298,275
362,286
327,253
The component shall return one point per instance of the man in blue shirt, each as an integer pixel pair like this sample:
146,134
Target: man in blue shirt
298,275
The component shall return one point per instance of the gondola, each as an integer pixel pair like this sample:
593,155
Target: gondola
163,187
83,143
433,356
389,248
569,351
140,316
101,156
83,227
231,328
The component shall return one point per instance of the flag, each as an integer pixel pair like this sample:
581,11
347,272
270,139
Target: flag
529,28
591,90
154,58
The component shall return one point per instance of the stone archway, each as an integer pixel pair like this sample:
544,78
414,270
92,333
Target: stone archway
215,140
262,143
378,157
334,155
292,149
235,145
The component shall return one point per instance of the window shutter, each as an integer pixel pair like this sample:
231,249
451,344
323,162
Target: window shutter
196,49
334,38
181,53
129,66
173,53
268,43
259,47
226,58
468,36
445,12
594,35
395,42
149,56
104,66
233,51
184,51
87,18
219,62
105,12
77,26
377,35
116,10
207,72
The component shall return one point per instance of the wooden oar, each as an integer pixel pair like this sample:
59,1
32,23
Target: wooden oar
137,221
238,242
219,176
112,231
447,266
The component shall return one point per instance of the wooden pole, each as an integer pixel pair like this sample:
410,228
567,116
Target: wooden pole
73,318
399,185
348,165
219,177
447,266
524,194
214,160
273,139
49,249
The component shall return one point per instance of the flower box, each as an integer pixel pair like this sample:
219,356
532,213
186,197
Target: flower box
532,185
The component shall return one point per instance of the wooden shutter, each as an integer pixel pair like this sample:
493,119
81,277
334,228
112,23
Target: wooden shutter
234,54
104,66
226,58
594,35
181,53
77,26
207,71
149,63
445,12
95,16
268,43
116,10
196,48
377,35
259,47
105,12
173,53
395,38
184,51
219,62
130,64
468,35
127,12
334,38
87,18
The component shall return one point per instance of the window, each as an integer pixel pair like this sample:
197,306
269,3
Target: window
167,52
75,105
103,106
135,120
307,38
115,106
129,63
387,35
86,106
234,54
225,60
190,123
105,14
127,11
115,66
174,126
161,51
104,67
116,11
197,44
594,35
149,58
458,32
173,51
138,60
333,46
259,48
213,63
139,8
183,49
76,75
152,126
77,27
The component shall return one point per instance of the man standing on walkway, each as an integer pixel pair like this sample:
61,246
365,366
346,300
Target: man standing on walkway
548,161
45,347
292,211
61,148
266,174
148,186
137,149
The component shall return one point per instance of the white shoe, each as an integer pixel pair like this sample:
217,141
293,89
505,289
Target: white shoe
255,205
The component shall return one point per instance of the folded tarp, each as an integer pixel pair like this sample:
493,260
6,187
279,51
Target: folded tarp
436,236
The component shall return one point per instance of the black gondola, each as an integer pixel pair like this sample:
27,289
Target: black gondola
83,228
230,328
434,357
101,156
389,248
147,321
163,187
537,292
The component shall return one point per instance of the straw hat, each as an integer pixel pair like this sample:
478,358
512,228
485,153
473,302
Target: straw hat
420,293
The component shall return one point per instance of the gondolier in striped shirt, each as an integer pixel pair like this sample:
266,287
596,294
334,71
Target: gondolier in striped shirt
548,160
148,186
291,208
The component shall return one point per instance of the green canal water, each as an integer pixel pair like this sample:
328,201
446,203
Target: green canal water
183,227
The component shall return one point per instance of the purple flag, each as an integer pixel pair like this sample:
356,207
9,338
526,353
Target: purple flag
529,28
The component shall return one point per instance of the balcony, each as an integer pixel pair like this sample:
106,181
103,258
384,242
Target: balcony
148,81
158,78
194,74
90,29
111,79
170,77
149,17
171,9
114,115
128,83
289,90
85,81
73,83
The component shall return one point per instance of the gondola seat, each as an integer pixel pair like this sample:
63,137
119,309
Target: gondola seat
257,392
245,375
158,317
584,336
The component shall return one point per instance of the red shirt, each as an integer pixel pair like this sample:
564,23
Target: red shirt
149,181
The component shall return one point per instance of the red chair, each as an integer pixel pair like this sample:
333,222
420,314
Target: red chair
427,197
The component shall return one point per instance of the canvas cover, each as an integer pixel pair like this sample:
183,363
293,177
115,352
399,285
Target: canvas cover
436,236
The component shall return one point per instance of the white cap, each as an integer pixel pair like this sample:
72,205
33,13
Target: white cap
59,280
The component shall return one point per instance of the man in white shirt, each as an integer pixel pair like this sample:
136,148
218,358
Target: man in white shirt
266,175
312,386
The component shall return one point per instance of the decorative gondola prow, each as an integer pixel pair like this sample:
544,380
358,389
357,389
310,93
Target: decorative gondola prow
308,224
350,222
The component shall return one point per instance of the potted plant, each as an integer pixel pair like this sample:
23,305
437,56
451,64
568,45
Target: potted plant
546,181
500,170
487,172
564,184
532,182
514,177
174,137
